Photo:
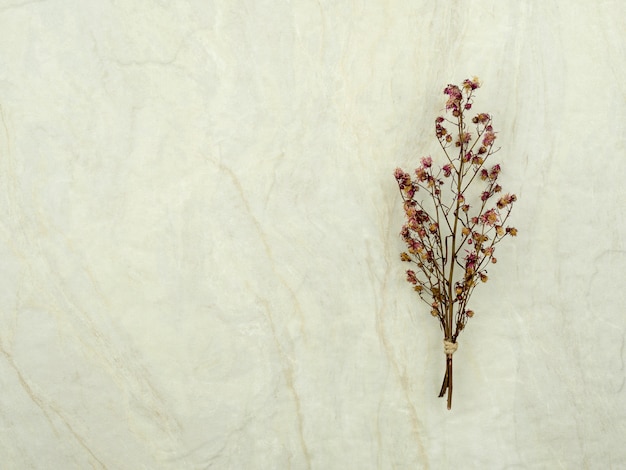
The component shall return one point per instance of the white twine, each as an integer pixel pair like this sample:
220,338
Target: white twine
449,347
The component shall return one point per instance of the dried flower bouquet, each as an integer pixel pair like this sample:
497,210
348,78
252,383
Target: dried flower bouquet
452,230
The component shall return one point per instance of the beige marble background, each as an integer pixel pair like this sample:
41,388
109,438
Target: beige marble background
199,235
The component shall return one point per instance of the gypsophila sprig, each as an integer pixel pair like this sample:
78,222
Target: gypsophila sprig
455,217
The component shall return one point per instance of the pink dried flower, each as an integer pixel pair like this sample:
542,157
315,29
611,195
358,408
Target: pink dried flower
489,138
481,118
490,217
427,162
494,172
506,200
454,100
447,170
410,276
470,260
421,174
471,84
415,247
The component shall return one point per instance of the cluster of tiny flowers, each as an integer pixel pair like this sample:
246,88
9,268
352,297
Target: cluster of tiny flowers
444,231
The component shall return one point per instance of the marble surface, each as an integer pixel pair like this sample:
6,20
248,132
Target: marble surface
199,236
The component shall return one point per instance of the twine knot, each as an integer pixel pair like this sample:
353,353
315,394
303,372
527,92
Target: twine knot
449,347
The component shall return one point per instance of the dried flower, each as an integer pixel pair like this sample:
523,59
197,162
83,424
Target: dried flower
489,217
471,84
421,174
489,138
470,260
454,100
434,237
415,247
494,172
506,200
